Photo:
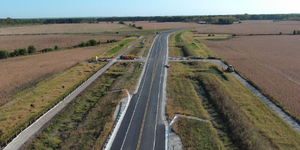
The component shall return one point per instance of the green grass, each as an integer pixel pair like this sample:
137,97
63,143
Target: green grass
114,50
197,135
194,46
126,42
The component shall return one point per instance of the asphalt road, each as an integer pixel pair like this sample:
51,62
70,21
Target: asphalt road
142,127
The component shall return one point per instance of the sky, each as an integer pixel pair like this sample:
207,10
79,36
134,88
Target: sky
109,8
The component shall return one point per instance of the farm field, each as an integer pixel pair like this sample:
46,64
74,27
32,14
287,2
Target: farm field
23,72
162,25
270,61
10,43
253,27
68,28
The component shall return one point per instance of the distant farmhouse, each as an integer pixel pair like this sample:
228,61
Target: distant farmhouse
202,22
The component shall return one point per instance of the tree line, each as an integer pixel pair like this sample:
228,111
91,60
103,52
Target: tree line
214,19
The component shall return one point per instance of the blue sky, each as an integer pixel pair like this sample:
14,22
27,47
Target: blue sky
108,8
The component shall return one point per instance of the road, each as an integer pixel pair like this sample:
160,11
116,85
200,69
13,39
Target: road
143,127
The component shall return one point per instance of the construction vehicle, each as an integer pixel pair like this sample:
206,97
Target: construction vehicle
230,68
93,59
127,57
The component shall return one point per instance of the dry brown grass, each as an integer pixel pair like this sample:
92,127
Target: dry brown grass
40,42
22,72
67,28
254,27
270,61
162,25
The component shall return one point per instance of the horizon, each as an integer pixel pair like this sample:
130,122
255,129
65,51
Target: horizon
31,9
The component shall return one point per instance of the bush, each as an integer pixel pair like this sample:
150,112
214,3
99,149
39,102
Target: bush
56,47
3,54
121,22
139,27
82,44
47,50
280,33
92,42
133,25
23,51
213,34
17,52
233,34
12,54
107,41
31,49
99,42
209,35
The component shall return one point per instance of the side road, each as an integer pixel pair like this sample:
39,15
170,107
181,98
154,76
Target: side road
38,124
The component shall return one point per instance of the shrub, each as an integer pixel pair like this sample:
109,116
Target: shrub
99,42
213,34
12,54
47,50
121,22
233,34
294,32
82,44
139,27
3,54
17,52
31,49
280,33
23,51
209,35
107,41
129,24
92,42
56,47
133,25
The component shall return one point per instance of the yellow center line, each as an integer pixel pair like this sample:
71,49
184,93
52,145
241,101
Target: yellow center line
153,75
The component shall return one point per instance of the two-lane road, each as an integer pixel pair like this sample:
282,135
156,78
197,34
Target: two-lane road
142,127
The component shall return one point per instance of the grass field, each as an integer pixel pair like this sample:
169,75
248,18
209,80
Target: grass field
87,121
10,43
116,49
247,116
17,113
184,44
68,28
271,62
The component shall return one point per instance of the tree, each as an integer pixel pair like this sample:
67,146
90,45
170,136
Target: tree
112,22
133,25
280,33
121,22
3,54
294,32
99,42
31,49
17,52
56,47
107,41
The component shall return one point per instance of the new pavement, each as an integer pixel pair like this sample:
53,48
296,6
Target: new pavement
142,127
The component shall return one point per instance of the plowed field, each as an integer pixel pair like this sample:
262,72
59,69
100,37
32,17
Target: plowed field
21,72
67,28
254,27
270,61
40,42
162,25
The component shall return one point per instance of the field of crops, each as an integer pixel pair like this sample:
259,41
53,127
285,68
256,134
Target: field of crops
254,27
67,28
22,72
270,61
162,25
40,42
